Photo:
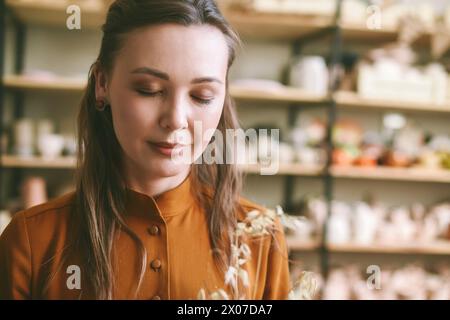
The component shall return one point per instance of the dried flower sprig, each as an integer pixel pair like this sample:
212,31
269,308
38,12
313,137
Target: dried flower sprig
216,295
304,287
256,225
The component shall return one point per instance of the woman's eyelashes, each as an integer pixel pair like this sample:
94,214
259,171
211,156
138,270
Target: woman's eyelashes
203,101
160,93
148,93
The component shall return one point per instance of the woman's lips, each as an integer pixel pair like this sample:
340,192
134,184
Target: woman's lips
164,148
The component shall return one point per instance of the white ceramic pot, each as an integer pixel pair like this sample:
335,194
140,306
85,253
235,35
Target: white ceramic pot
50,146
311,74
23,137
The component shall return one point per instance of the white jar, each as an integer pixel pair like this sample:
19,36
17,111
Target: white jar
365,224
50,145
339,225
23,137
311,74
440,82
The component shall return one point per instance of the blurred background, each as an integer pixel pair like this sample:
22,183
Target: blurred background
359,89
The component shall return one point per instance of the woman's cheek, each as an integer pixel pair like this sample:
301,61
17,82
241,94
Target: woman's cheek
132,122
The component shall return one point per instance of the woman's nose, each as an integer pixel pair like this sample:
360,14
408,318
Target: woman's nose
174,115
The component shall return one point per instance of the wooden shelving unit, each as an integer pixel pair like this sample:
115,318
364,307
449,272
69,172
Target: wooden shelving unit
351,100
301,245
434,248
287,169
36,162
18,82
361,34
354,172
390,173
441,247
283,95
289,27
263,26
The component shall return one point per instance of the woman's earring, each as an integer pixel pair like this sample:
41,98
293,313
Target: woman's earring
100,105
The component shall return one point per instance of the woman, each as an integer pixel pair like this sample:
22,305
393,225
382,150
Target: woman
141,225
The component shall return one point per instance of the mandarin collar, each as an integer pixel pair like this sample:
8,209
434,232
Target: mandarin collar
169,203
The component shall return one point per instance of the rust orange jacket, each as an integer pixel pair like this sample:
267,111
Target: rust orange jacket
173,229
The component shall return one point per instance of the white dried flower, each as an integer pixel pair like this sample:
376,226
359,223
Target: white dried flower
304,288
253,214
230,276
219,295
245,249
234,251
257,223
243,275
201,294
279,210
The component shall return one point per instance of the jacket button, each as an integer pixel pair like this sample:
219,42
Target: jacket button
156,264
156,298
153,230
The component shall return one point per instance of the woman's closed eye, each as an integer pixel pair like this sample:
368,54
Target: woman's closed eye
150,93
203,100
200,98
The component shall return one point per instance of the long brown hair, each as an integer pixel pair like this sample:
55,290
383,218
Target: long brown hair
100,187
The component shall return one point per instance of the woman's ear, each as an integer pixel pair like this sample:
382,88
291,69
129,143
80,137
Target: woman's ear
101,91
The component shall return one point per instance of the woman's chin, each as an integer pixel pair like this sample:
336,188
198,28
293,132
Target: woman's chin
167,168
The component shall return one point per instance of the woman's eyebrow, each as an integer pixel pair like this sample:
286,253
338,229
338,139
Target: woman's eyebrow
165,76
206,79
152,72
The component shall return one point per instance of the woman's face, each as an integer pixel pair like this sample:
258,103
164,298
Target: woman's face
164,79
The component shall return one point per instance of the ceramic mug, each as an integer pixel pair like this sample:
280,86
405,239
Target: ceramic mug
50,146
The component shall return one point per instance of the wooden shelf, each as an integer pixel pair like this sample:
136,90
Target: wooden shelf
266,26
390,173
287,169
18,82
435,248
301,245
360,33
288,27
283,95
354,172
37,162
440,247
54,14
347,99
